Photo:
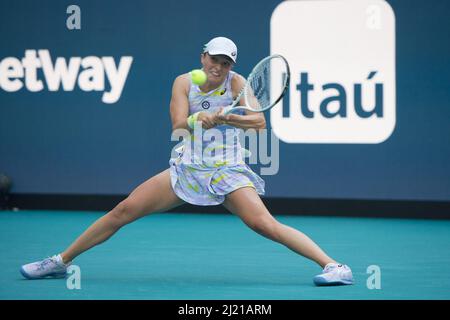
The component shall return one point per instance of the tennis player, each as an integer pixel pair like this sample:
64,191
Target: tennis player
201,180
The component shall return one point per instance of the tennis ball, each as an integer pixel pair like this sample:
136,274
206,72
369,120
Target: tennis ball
198,77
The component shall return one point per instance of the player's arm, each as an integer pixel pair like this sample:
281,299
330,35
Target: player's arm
179,103
251,120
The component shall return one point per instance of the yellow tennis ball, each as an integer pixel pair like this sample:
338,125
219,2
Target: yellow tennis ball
198,77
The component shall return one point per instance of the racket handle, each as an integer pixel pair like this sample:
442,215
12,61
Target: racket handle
227,110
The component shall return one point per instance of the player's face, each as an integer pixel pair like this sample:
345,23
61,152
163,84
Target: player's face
216,67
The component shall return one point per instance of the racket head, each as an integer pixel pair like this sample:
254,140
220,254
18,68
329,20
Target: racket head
267,83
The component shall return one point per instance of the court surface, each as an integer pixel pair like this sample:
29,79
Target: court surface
169,256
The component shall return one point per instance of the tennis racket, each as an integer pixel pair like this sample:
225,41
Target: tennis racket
265,86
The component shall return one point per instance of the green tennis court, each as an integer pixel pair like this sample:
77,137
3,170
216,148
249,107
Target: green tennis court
170,256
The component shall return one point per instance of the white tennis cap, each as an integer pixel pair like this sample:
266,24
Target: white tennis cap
221,45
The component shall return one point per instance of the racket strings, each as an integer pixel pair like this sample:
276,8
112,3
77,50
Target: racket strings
258,93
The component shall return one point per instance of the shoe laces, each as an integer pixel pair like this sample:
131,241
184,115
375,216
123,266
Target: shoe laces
333,266
45,262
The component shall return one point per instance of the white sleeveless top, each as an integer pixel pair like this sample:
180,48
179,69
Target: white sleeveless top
217,146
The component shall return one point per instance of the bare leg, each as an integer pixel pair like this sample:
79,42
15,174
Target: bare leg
156,194
247,204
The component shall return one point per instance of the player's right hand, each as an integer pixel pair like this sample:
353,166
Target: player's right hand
207,119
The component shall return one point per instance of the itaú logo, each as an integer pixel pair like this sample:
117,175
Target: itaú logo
334,112
335,102
89,73
342,59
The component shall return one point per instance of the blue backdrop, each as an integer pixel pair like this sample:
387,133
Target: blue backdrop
69,142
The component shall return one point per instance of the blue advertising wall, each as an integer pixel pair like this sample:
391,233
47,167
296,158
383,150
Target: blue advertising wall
70,142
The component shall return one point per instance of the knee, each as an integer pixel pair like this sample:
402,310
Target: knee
121,214
266,226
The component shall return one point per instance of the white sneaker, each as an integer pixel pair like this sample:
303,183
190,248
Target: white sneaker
52,267
333,275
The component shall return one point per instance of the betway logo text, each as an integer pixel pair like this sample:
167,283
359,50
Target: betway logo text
90,73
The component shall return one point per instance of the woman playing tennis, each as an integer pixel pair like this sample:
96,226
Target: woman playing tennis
202,181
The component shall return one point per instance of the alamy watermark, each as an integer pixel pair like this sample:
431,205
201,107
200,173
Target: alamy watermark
374,280
73,21
214,147
73,280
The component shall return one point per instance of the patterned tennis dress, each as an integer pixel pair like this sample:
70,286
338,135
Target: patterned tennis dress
210,164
